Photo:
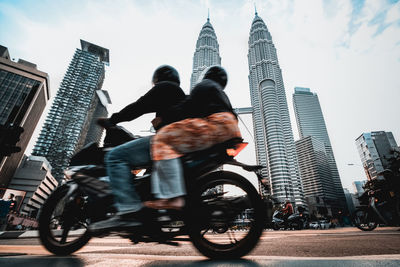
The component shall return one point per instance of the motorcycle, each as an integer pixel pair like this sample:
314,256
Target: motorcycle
380,203
377,211
215,199
297,221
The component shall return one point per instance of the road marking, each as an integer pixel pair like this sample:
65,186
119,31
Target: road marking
248,257
40,250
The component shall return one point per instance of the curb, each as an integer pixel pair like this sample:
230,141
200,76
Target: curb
33,234
19,234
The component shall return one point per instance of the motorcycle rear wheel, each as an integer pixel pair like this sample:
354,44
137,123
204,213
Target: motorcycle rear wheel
363,220
63,232
218,211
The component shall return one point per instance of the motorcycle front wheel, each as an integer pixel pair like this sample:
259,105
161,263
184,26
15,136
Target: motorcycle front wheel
226,216
63,227
364,220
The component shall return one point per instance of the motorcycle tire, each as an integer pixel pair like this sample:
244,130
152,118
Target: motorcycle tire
363,220
206,244
48,235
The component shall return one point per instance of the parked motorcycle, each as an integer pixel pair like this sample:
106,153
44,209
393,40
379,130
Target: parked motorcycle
214,200
380,203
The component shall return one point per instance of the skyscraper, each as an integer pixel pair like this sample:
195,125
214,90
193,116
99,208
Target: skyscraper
314,168
71,115
310,122
316,176
24,92
206,53
374,150
274,141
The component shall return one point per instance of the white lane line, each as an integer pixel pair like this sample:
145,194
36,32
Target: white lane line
249,257
360,257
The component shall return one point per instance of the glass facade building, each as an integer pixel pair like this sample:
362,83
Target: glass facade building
274,140
358,187
24,92
374,150
310,122
72,113
316,175
206,54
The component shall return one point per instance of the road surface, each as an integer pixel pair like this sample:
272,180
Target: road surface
337,247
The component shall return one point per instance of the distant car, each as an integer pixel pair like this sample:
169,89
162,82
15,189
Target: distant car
314,225
325,224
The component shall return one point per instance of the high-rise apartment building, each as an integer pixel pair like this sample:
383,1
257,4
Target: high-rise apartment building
72,113
206,53
24,92
374,149
310,122
274,141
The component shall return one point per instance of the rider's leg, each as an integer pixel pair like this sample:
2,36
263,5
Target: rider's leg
167,183
167,180
119,162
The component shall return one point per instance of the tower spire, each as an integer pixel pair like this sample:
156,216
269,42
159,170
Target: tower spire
255,9
208,16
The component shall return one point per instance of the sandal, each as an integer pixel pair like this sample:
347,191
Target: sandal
176,203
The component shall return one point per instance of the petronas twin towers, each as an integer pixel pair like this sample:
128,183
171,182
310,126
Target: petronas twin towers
207,52
274,141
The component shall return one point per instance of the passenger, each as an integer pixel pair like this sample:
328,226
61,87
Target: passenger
121,159
207,118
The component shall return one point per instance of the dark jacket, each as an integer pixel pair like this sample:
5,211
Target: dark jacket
160,99
206,98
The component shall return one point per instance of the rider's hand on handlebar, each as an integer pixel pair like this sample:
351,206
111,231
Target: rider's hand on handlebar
156,122
105,123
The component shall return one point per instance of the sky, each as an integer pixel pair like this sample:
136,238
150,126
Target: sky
346,51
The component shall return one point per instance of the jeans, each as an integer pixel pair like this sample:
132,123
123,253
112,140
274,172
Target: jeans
119,162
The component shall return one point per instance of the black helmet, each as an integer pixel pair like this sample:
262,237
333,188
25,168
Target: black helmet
166,73
217,74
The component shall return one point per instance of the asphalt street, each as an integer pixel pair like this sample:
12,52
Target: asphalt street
336,247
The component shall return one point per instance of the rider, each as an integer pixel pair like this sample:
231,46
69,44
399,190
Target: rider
288,209
160,99
207,118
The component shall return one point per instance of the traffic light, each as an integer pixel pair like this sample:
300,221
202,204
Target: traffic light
9,137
